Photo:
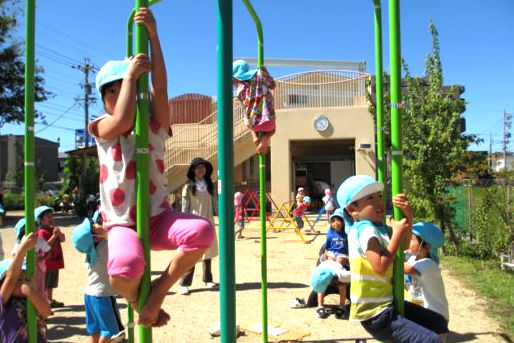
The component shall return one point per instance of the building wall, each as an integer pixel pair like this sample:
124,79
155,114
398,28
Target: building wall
297,124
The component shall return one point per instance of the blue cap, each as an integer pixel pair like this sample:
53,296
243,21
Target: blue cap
321,278
5,264
38,211
338,213
431,234
20,229
354,188
241,70
82,240
110,72
307,199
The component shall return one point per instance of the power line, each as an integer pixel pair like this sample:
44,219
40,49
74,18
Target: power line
55,120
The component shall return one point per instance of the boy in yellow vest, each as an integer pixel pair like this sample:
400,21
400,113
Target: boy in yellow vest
372,248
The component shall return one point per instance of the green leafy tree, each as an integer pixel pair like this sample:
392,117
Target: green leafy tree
12,68
73,170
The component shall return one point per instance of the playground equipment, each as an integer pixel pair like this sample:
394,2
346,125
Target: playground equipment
283,220
29,181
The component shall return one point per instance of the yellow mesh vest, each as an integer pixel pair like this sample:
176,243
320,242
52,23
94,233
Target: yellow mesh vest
370,292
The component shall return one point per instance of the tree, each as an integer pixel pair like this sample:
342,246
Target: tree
12,68
433,144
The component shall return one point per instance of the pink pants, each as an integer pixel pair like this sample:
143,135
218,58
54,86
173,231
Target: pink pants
168,231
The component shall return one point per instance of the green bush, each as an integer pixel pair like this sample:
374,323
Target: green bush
16,201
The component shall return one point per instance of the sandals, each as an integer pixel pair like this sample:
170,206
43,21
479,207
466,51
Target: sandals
321,313
55,304
297,303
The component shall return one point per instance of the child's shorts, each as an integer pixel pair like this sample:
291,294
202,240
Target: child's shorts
52,279
169,230
336,255
102,316
241,224
299,221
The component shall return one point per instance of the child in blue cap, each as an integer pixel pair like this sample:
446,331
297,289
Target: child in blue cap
423,267
103,321
254,91
326,273
14,292
188,234
372,248
42,253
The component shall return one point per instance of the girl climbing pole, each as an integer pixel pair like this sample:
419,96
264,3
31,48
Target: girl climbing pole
190,235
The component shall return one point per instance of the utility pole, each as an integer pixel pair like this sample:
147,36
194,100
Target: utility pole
88,99
490,151
506,135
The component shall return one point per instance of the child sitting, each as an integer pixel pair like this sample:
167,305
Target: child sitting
326,273
54,237
42,253
103,321
300,211
336,245
14,292
254,91
372,249
423,267
239,213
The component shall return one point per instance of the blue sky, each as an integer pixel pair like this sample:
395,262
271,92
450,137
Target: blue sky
477,48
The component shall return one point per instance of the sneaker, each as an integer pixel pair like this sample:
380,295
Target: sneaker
55,304
211,284
184,290
119,337
340,313
297,303
321,313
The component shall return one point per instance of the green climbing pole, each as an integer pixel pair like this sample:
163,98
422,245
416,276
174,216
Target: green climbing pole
396,139
142,163
226,173
30,14
262,188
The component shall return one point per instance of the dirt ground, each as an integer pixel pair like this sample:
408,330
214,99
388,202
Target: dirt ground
289,265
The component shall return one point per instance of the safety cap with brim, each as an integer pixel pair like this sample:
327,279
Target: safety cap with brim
5,264
110,72
82,240
337,213
241,70
355,188
321,278
20,229
307,199
431,234
41,209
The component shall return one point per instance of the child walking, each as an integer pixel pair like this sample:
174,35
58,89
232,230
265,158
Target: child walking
54,237
14,292
328,200
372,248
254,91
198,198
190,235
103,322
423,267
239,214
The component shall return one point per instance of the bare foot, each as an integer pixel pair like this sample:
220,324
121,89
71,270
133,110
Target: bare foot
262,148
150,313
162,319
255,138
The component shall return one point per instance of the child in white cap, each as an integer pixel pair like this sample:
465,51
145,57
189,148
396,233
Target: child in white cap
254,91
372,249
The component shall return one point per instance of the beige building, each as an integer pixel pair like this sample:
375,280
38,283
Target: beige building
324,134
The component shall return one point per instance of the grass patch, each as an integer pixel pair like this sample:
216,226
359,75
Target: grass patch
493,284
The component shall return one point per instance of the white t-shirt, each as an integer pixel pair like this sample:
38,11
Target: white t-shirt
432,286
117,161
41,246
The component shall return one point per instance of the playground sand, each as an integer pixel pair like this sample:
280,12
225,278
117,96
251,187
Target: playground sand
289,266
